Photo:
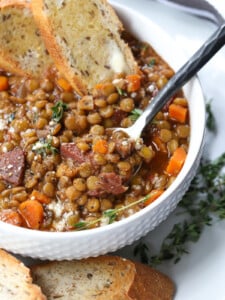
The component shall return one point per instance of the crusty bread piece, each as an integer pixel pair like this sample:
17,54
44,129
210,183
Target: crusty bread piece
151,284
93,278
83,38
15,280
102,278
22,50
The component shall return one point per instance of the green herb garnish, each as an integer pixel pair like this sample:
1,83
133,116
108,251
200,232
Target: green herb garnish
135,114
58,110
121,92
44,146
11,117
210,122
152,62
110,215
142,250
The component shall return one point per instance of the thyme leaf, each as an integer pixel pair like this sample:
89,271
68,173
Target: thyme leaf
121,92
110,214
135,114
11,117
142,249
44,146
152,62
210,122
58,110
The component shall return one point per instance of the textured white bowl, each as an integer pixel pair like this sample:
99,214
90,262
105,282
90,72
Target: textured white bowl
81,244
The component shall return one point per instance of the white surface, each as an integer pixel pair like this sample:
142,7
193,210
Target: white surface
200,274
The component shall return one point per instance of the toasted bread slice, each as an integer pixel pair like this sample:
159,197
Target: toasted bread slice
15,280
93,278
83,38
151,284
22,50
101,278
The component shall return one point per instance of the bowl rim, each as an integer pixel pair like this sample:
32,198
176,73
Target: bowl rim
29,233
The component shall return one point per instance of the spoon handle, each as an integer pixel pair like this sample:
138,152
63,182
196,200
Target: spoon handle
185,73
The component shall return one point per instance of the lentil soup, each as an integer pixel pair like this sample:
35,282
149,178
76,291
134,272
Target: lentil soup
62,167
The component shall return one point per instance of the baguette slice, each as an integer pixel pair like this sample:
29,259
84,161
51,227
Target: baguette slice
15,280
102,278
22,50
151,284
83,38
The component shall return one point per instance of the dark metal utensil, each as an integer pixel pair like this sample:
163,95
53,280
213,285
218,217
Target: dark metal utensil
185,73
200,8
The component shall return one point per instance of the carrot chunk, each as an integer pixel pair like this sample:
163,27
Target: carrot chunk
35,195
32,212
153,196
134,82
101,146
176,161
11,217
4,84
64,85
178,112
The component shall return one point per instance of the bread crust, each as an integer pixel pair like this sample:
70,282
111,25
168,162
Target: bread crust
137,282
151,284
83,59
15,280
23,51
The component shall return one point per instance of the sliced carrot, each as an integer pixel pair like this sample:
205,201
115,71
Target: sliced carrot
134,82
32,212
11,217
64,84
178,112
4,84
176,161
101,146
36,195
153,196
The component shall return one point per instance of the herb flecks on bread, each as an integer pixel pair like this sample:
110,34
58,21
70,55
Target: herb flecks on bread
15,280
22,50
83,38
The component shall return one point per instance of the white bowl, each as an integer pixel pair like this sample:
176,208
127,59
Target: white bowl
94,242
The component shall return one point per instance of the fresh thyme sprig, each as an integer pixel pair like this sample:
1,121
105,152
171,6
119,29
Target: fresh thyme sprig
58,110
109,216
